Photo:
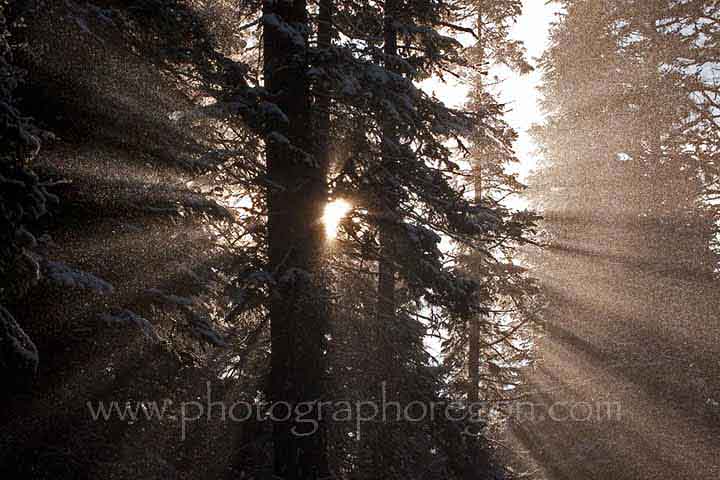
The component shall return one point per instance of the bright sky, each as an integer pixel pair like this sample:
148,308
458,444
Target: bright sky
518,92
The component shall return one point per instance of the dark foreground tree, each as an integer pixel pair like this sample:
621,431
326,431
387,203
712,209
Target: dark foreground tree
297,194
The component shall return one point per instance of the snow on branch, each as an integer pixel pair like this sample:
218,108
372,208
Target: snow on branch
61,274
126,317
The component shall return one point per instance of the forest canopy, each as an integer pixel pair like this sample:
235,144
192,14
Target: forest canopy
259,204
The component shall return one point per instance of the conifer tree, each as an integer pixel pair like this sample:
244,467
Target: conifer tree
296,196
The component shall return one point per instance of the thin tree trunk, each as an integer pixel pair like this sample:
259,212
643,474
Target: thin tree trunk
388,200
386,327
474,321
296,198
479,462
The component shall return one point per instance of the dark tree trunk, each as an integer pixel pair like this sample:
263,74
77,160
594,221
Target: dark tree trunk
296,197
387,332
388,197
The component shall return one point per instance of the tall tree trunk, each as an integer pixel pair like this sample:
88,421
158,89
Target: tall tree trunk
473,392
474,327
388,199
386,327
296,198
479,462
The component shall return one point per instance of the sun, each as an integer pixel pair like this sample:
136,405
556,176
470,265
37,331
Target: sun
335,211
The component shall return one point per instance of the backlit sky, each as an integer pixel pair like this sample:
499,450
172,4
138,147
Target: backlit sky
518,92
